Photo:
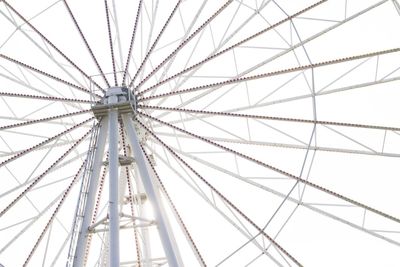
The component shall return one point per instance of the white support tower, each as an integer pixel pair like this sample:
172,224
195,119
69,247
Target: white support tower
117,104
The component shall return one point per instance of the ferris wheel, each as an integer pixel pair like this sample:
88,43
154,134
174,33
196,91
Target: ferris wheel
199,133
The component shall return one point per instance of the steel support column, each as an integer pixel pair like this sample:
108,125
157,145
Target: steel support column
152,191
90,200
145,214
113,189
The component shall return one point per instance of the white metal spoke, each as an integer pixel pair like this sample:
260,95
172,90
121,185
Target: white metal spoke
223,42
228,49
210,202
128,59
21,185
154,45
46,94
287,196
302,43
40,177
312,206
30,224
269,74
86,42
111,43
190,37
50,43
183,41
390,217
261,117
50,98
18,27
225,199
42,143
43,73
54,214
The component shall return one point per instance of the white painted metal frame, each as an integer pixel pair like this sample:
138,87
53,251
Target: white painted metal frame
79,255
167,237
113,189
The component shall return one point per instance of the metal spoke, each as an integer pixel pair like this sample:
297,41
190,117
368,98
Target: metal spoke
287,145
222,197
261,163
51,44
39,46
152,20
396,5
118,33
111,43
33,148
187,31
198,191
198,30
46,74
240,43
128,59
59,166
54,214
17,223
270,74
300,97
26,197
155,42
261,117
284,200
351,139
4,153
310,206
28,86
293,47
222,43
40,177
29,225
30,122
86,42
50,98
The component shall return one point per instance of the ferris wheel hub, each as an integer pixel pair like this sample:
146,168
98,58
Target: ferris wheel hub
115,95
120,98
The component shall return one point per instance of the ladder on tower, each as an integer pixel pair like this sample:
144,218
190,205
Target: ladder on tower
80,208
